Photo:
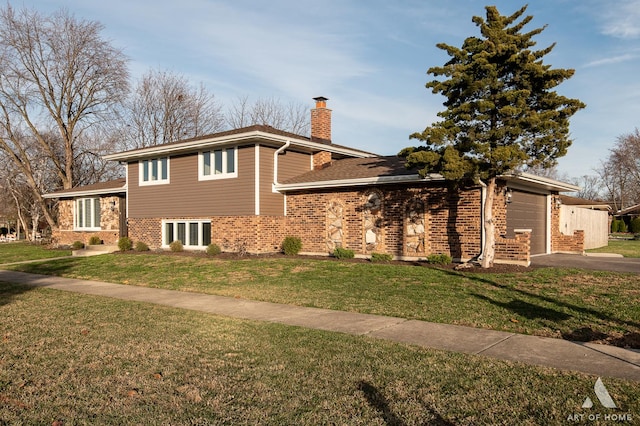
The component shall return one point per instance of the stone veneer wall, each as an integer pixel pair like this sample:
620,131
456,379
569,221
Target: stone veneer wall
109,223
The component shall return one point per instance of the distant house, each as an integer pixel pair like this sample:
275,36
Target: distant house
629,214
249,188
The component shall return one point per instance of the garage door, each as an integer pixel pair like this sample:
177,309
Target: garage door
529,211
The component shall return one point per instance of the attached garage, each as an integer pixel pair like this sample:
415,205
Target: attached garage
529,211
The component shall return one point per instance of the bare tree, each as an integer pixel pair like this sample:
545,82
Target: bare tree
548,172
58,80
590,187
620,172
165,107
291,117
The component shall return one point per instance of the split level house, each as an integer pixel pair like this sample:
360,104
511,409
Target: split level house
249,188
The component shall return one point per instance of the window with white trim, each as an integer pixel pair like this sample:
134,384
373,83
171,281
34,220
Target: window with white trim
86,214
218,164
154,171
192,233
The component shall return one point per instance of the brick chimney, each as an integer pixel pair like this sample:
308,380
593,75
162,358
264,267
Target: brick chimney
321,121
321,132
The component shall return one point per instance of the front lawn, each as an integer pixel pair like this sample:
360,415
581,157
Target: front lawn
562,303
22,251
75,359
627,248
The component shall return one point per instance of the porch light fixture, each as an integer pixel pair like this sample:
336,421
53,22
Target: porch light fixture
507,195
113,206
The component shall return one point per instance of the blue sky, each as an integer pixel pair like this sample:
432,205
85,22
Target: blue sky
370,57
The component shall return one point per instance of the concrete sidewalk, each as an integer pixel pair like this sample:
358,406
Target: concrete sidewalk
600,360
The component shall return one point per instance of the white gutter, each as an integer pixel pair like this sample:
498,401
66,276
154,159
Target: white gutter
546,183
122,189
359,182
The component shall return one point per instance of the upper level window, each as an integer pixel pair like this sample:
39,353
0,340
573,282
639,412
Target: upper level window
218,164
154,171
86,214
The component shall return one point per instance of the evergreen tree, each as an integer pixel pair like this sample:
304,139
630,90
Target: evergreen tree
501,111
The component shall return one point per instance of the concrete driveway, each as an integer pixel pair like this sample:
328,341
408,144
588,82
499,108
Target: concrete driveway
592,261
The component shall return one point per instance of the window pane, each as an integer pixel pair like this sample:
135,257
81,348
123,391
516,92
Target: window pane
218,161
87,213
206,233
182,232
206,163
145,170
154,169
165,170
96,215
168,233
79,213
193,233
231,162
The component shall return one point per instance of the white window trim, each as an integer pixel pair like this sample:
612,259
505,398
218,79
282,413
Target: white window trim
141,180
175,222
93,214
224,174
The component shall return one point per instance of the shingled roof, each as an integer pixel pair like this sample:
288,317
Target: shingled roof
108,187
356,168
313,144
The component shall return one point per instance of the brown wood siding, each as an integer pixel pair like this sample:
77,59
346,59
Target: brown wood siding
290,164
185,196
529,211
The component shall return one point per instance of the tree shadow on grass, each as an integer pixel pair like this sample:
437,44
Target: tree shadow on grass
584,334
9,291
378,401
526,309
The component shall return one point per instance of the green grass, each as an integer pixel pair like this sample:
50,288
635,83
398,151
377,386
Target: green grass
76,359
627,248
561,303
21,251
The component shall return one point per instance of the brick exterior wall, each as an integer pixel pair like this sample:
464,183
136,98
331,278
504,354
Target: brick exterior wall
255,234
515,250
411,222
561,243
109,232
451,220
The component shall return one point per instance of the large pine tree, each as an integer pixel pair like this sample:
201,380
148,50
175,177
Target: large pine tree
501,111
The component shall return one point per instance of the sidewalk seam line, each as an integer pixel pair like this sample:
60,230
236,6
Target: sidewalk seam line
608,354
401,321
495,344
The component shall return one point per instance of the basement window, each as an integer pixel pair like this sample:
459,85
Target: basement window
193,234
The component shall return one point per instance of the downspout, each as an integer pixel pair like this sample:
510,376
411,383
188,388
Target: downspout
483,201
275,171
275,163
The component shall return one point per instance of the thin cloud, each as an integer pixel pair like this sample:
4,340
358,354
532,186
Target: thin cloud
611,60
623,19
